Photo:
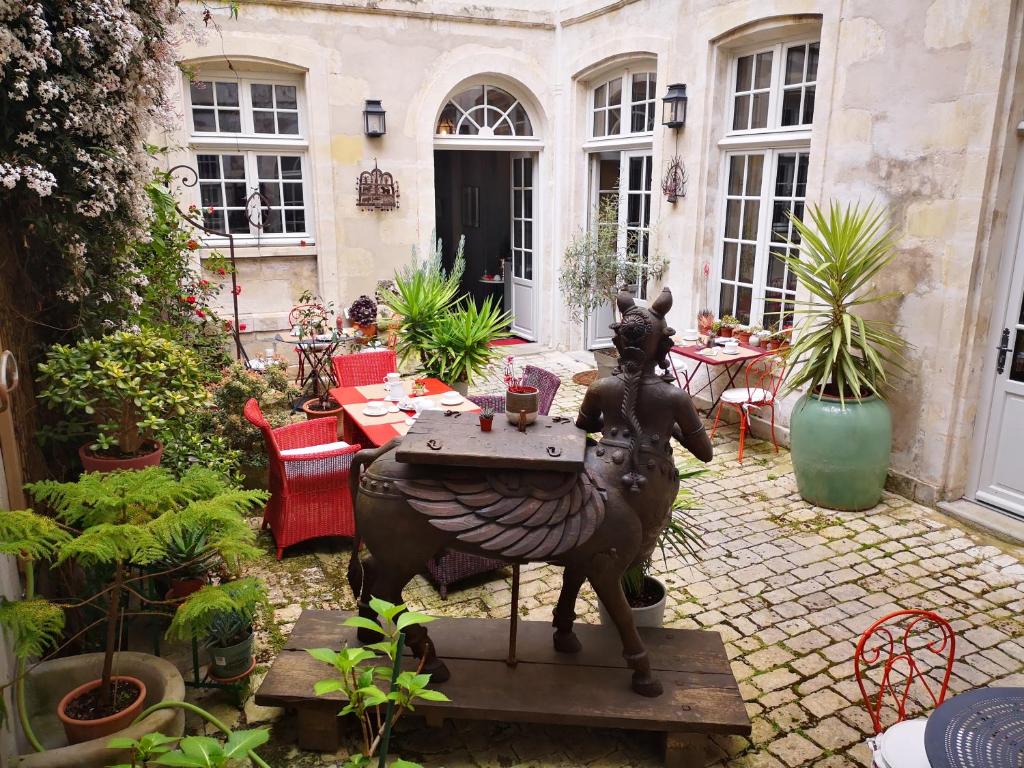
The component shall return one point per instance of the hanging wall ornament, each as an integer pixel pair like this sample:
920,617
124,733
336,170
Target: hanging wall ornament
376,190
673,184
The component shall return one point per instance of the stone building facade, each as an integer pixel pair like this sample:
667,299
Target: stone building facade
914,105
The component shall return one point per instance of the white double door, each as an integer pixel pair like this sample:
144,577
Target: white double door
524,236
1000,472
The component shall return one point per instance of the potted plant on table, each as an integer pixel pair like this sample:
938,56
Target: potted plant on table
522,400
727,326
363,314
117,522
647,595
223,618
841,428
312,317
705,319
742,334
486,418
128,385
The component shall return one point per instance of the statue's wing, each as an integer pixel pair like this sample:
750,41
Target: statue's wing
521,522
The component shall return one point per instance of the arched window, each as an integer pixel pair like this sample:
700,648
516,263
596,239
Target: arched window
486,111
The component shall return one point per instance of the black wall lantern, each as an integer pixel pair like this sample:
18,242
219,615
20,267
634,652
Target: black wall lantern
674,115
373,118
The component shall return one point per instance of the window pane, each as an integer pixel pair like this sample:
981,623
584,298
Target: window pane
599,124
736,174
262,95
763,71
741,113
638,123
238,222
204,120
210,194
608,179
791,107
230,121
208,166
795,65
528,207
527,172
272,221
780,221
601,96
227,94
528,266
266,166
295,220
751,209
614,120
732,218
776,272
743,302
785,175
725,299
729,261
521,121
293,194
808,116
755,167
503,128
639,87
234,166
470,98
214,221
744,71
812,63
759,118
517,205
500,99
271,193
288,122
234,193
286,96
747,263
291,167
262,122
615,92
201,93
634,210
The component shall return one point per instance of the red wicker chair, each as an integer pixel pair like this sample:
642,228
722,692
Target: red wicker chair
450,567
362,368
308,479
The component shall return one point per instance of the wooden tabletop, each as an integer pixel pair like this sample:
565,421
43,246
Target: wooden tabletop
696,351
381,429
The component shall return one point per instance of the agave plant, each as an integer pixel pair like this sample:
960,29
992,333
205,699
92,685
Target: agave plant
460,341
837,352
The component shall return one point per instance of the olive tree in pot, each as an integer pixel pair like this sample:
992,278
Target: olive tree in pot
600,261
118,521
841,428
647,595
223,619
128,385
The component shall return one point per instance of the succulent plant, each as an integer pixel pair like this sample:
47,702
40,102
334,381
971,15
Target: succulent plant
363,311
487,412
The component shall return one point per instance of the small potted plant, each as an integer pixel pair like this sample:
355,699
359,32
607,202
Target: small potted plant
312,316
705,319
486,418
189,558
363,314
128,385
729,324
222,617
522,401
756,331
742,334
322,404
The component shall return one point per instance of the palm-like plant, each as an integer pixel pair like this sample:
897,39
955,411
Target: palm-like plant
841,251
460,341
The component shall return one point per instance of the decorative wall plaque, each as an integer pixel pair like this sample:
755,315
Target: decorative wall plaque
376,190
673,184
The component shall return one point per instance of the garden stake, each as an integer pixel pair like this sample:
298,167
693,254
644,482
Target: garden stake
513,624
390,709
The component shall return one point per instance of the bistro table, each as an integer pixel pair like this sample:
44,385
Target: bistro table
727,366
316,352
983,728
378,430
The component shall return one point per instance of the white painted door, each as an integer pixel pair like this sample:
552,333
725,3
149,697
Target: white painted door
523,308
625,177
1001,479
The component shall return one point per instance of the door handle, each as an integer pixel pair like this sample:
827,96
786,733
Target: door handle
8,378
1002,349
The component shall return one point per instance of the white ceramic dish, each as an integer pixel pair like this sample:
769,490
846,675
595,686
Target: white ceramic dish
375,409
407,404
451,398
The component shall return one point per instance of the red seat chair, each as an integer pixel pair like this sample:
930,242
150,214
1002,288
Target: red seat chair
896,651
309,472
362,368
763,378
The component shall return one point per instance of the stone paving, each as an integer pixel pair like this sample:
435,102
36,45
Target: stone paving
788,586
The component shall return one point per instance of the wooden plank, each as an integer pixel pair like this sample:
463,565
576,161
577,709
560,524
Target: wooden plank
546,444
536,693
680,650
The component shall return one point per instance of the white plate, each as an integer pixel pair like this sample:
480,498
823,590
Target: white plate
393,409
405,404
451,398
375,409
728,351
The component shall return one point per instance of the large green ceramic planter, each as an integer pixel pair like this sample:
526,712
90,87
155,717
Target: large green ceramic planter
840,451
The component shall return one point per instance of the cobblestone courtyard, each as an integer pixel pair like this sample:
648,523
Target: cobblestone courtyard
788,586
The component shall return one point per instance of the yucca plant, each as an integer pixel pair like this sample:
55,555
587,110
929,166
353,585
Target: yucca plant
838,352
460,340
422,294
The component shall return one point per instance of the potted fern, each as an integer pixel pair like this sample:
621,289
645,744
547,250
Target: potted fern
118,521
841,428
223,618
128,385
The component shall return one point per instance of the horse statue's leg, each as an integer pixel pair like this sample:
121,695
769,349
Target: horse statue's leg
607,582
565,610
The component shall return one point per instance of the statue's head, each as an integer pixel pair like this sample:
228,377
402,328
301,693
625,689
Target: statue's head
643,337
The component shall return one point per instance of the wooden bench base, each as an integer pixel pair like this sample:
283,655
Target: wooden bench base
590,688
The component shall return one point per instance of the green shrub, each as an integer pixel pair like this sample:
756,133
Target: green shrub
275,393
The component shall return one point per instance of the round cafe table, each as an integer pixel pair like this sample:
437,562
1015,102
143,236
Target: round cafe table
983,728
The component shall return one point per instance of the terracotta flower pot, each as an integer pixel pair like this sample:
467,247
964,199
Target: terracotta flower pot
312,412
771,344
85,730
369,330
182,588
725,333
526,399
93,462
742,337
486,424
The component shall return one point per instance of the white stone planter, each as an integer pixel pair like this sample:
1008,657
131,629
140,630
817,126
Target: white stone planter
648,616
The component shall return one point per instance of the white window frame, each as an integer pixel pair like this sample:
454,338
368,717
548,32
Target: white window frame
250,144
770,141
626,137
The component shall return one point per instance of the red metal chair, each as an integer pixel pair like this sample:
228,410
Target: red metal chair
362,368
309,471
763,378
897,650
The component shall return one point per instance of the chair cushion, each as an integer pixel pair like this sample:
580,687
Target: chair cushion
744,395
311,449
